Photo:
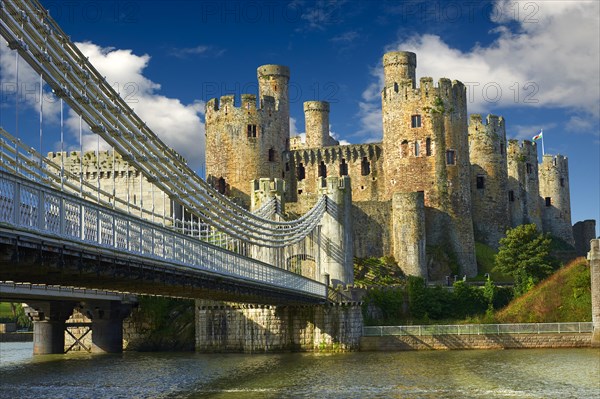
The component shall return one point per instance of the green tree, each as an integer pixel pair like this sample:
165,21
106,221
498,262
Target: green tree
524,254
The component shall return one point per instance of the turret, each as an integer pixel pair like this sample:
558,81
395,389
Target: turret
273,82
316,119
556,199
489,179
398,67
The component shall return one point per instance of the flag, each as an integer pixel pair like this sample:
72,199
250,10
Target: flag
538,136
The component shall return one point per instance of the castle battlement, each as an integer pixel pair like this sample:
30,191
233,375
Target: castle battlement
229,104
558,162
525,148
452,92
351,152
493,124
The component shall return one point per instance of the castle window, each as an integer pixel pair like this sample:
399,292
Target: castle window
450,157
428,147
501,148
343,168
417,148
396,87
251,130
404,148
301,172
365,167
322,169
287,166
271,155
511,196
548,201
562,182
221,185
480,181
529,168
415,121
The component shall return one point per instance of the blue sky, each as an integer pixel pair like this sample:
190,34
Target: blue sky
537,63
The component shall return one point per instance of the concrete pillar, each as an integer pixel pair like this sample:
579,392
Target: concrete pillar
594,258
49,325
408,232
107,324
335,254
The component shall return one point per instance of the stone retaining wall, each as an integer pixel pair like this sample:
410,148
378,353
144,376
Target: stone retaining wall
250,329
488,341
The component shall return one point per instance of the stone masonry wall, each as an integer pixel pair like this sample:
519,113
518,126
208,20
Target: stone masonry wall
251,329
489,341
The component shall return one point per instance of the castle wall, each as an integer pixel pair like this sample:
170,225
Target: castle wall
363,163
523,183
489,178
116,177
556,200
583,233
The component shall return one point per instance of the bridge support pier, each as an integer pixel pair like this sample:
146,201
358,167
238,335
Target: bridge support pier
49,325
594,258
107,324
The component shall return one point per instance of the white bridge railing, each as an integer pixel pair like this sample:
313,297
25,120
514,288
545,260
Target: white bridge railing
31,207
479,329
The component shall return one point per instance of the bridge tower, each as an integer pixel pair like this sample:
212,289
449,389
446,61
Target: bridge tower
426,149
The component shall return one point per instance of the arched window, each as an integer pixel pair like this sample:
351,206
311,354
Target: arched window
271,155
301,172
417,148
365,167
322,169
343,168
404,148
221,185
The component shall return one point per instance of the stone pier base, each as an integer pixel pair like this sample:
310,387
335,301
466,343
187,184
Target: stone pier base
253,328
594,258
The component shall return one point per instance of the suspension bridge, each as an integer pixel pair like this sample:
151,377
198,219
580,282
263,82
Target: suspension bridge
59,227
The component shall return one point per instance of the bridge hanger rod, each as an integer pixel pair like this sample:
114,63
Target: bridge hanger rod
141,168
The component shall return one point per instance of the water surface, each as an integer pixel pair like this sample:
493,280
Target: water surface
532,373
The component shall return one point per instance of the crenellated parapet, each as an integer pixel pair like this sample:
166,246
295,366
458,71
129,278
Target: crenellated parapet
352,152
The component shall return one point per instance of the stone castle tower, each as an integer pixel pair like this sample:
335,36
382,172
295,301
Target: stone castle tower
523,183
556,198
426,149
245,141
489,178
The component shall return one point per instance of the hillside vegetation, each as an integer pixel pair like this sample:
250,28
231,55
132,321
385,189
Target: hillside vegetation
565,296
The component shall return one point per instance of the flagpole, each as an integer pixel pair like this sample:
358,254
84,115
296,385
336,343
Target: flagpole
543,152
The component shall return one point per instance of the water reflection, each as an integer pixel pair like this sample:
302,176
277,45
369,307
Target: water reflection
566,373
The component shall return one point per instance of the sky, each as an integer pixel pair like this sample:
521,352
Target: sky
536,63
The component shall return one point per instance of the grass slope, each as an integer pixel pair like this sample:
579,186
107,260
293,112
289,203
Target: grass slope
563,297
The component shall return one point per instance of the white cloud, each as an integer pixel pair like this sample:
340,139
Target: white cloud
179,125
545,56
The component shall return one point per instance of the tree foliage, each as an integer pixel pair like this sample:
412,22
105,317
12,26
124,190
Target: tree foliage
524,254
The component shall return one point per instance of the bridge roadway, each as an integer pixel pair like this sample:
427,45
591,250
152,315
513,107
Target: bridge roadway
52,237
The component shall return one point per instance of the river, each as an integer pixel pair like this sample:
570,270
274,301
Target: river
531,373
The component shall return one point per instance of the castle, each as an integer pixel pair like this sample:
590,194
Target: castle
438,182
438,179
